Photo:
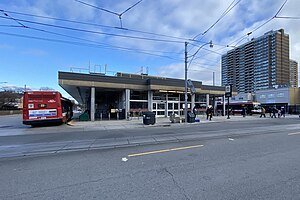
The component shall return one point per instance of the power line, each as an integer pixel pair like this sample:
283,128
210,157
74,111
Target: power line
13,26
133,49
13,19
258,27
64,35
228,9
97,32
87,45
123,48
111,12
280,8
86,40
103,9
286,17
98,25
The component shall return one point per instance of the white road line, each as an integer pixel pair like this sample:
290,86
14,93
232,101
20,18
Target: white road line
298,133
164,150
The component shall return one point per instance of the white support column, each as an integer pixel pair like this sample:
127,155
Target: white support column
166,105
193,101
127,103
150,100
179,104
92,104
207,100
224,98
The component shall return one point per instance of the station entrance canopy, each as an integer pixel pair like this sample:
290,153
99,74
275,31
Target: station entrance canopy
129,94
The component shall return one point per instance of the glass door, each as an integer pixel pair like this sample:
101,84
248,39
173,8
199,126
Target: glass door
173,107
159,108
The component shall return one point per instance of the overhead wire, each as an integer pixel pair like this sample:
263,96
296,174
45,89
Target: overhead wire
99,43
286,17
97,25
7,25
64,35
258,27
113,46
228,9
115,13
27,21
97,32
86,44
93,6
13,19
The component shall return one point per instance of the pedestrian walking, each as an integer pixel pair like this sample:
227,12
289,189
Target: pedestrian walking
279,113
244,111
274,112
209,112
283,112
263,112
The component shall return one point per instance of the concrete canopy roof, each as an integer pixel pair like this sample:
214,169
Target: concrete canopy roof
78,84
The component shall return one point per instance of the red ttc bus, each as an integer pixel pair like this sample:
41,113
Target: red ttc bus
41,107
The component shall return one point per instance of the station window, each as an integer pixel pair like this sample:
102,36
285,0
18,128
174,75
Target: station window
138,95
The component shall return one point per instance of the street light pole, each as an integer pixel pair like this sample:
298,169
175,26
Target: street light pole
185,74
185,81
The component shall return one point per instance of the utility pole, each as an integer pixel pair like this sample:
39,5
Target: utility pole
185,74
185,82
228,108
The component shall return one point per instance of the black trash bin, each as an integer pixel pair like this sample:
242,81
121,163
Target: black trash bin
148,118
191,117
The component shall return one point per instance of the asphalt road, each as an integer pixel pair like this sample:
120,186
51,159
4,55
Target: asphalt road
261,165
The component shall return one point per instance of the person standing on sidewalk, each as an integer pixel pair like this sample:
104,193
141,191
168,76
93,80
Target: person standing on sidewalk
263,112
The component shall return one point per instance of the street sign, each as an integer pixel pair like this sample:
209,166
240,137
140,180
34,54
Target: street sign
228,91
191,86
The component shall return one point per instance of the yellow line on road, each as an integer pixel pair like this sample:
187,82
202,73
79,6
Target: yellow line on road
164,150
298,133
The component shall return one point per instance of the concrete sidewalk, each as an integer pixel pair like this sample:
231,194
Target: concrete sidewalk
160,122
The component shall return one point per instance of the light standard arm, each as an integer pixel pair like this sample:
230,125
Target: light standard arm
186,71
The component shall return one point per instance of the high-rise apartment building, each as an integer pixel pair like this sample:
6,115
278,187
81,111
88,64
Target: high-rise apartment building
293,74
258,64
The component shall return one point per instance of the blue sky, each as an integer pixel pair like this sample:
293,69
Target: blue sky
34,46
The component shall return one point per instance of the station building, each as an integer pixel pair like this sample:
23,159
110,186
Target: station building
128,95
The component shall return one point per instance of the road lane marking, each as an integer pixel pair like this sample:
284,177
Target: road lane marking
164,150
298,133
